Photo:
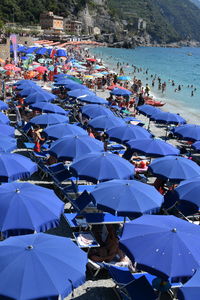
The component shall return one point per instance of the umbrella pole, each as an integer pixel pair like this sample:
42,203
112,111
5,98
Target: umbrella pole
149,124
166,133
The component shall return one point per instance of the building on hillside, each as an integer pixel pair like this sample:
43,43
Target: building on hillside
50,21
72,26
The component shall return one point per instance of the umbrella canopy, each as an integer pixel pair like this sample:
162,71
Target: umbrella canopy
30,90
148,110
124,77
3,105
167,118
106,122
127,198
189,190
61,53
49,119
120,92
25,85
41,51
153,147
73,147
189,132
173,245
7,130
40,265
80,92
26,206
190,290
41,69
14,166
175,168
7,143
49,108
24,81
102,166
40,96
128,132
95,110
4,119
60,130
65,81
92,99
196,146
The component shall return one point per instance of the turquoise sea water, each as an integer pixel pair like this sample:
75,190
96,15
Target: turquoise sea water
179,64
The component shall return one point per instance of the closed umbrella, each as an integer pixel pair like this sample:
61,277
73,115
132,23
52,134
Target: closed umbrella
102,166
152,147
106,122
165,246
14,166
175,168
49,119
128,132
60,130
73,146
40,265
27,207
127,198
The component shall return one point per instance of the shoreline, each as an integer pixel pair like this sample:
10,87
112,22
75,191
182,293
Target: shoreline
172,105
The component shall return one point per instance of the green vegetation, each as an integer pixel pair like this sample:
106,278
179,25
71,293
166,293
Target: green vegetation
167,20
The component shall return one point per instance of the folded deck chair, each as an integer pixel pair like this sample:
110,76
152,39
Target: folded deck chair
80,203
120,275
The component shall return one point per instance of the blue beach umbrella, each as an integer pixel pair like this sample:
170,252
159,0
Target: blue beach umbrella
106,122
27,207
14,166
127,198
148,110
196,146
167,118
165,246
24,81
80,92
102,166
41,51
73,147
95,110
7,130
4,119
191,289
40,266
7,143
128,132
152,147
60,130
74,86
61,53
189,190
124,77
63,81
120,92
26,85
40,96
188,132
49,108
49,119
175,168
3,105
92,99
30,90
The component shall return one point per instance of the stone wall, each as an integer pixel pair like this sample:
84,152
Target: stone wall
25,40
5,49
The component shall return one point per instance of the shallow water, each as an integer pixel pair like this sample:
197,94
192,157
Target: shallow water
182,65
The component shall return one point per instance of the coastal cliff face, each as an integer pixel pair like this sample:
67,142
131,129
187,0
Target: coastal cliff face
126,23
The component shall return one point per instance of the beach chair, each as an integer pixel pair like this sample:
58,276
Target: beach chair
139,289
80,203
